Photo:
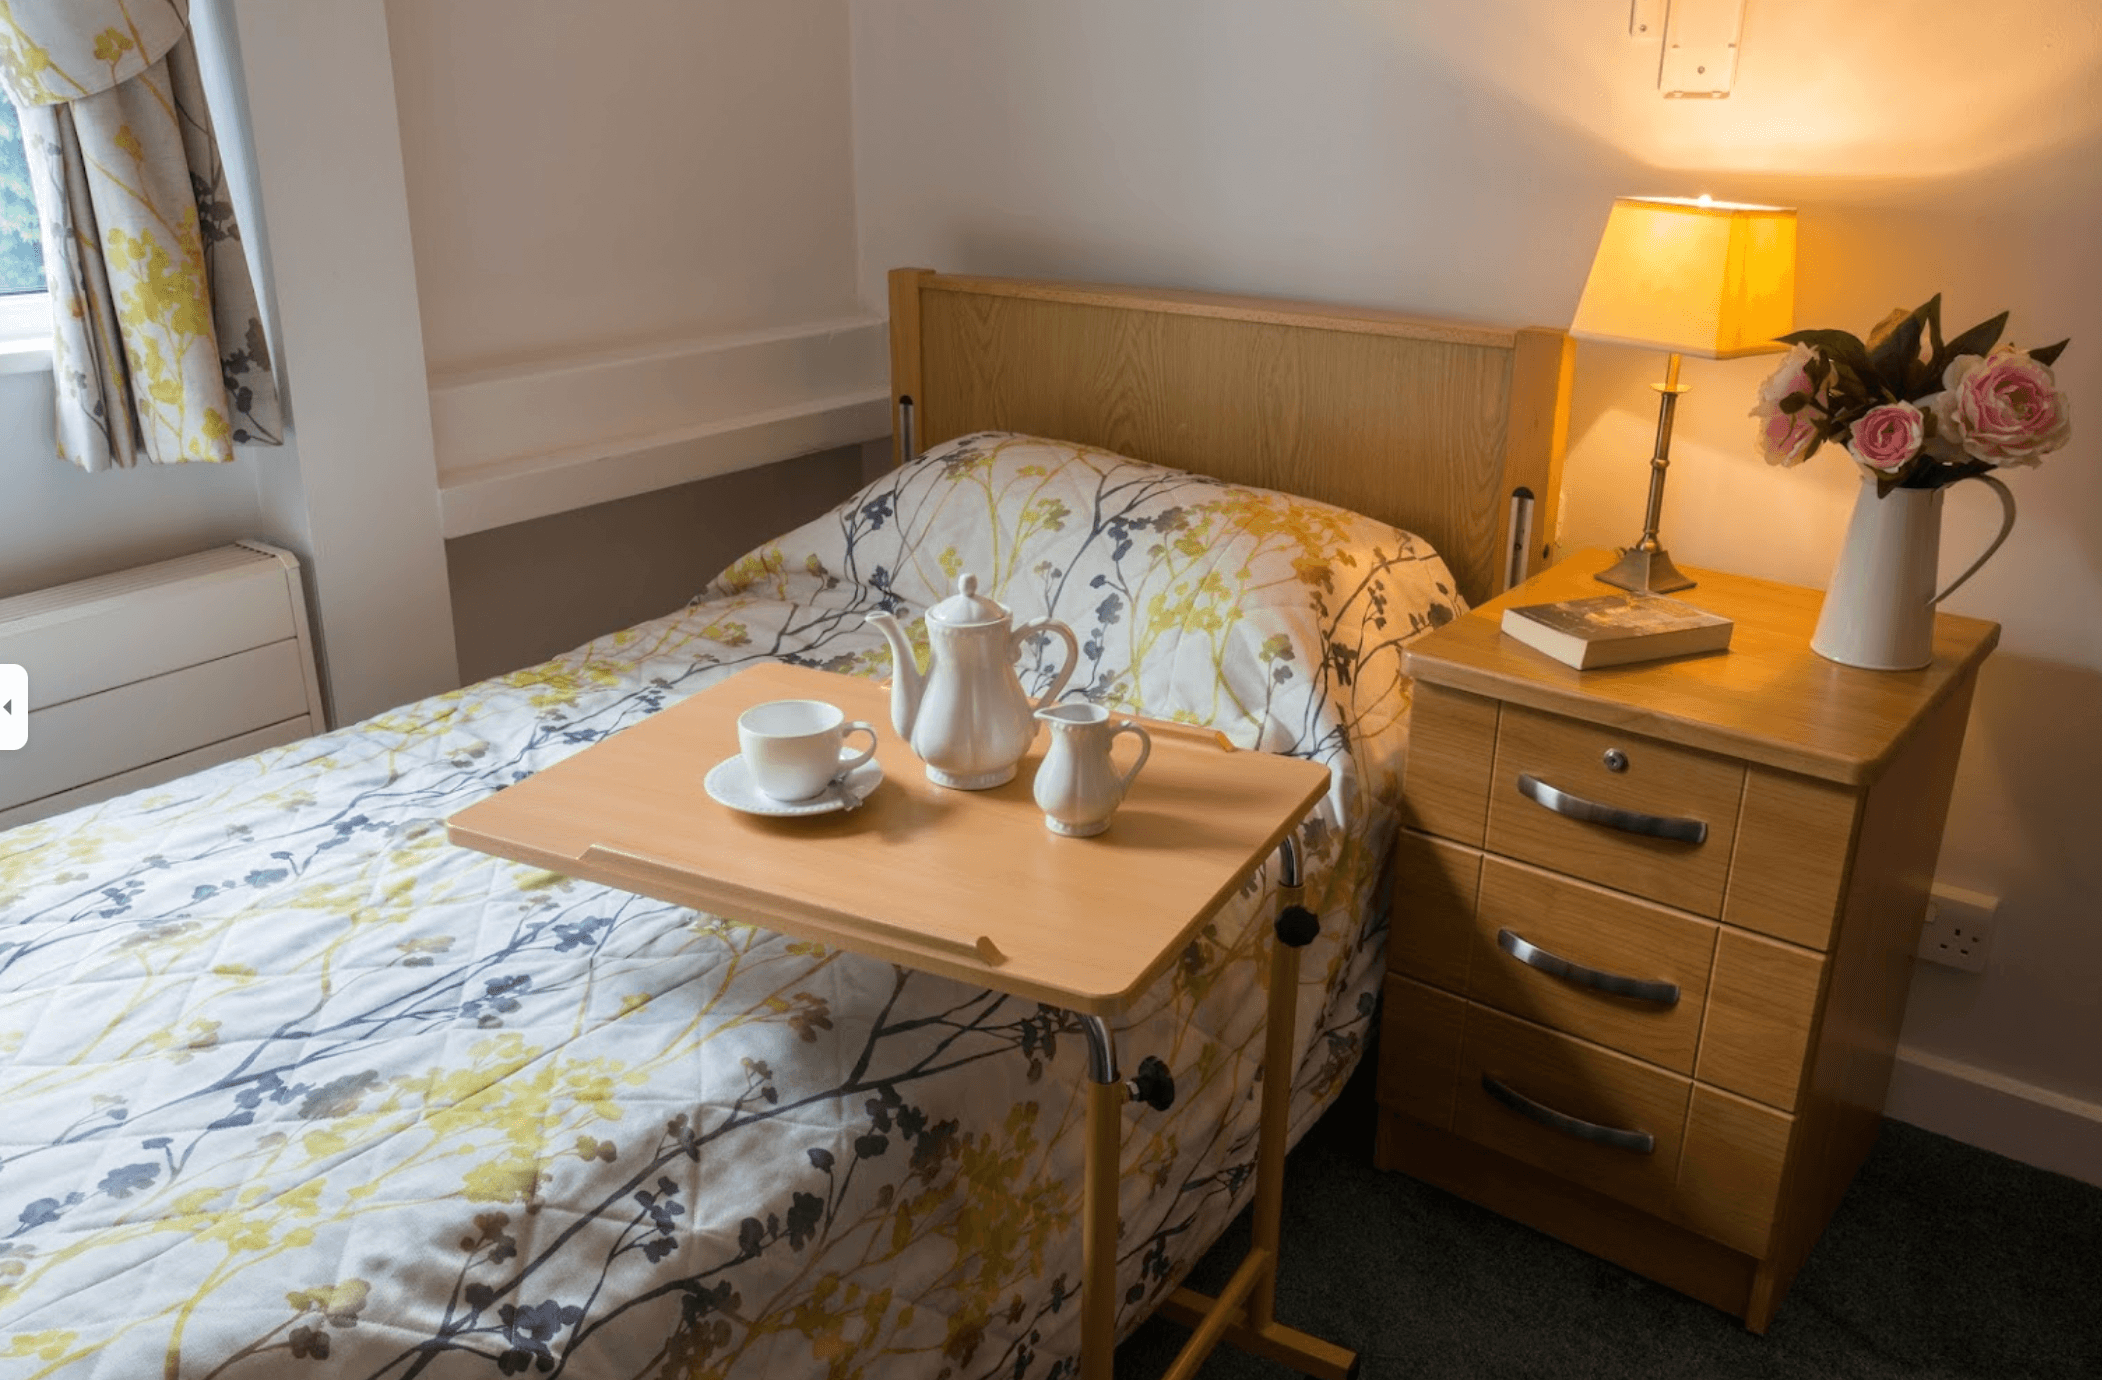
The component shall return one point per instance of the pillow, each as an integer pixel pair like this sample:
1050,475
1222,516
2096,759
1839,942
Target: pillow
1252,611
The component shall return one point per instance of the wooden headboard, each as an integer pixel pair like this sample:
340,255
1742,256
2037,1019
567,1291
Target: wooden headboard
1430,426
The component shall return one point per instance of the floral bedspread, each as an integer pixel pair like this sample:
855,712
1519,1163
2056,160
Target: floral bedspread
290,1086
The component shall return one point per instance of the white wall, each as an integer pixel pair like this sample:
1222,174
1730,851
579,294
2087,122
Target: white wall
588,176
635,250
1457,157
58,523
354,490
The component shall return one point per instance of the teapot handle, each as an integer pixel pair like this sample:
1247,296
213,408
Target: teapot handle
1065,672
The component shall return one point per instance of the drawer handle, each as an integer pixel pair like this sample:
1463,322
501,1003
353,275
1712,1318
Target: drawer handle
1641,1142
1612,816
1554,965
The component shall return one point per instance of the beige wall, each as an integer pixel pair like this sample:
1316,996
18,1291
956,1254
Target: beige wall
634,244
1457,157
586,176
533,590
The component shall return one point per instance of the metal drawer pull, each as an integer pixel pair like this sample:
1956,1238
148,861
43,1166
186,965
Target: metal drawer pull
1641,1142
1554,965
1612,816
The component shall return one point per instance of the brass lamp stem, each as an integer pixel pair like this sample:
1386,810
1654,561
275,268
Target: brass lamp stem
1645,567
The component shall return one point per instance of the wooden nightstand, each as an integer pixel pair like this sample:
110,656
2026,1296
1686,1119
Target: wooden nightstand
1671,1053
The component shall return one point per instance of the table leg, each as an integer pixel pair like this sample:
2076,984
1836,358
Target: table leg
1283,1014
1252,1325
1106,1094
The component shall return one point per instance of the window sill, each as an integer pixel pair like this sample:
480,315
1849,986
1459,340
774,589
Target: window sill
25,356
25,333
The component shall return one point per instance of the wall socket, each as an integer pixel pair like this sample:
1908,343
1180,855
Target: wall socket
1959,928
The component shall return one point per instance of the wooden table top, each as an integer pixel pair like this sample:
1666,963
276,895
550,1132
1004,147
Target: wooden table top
1769,699
967,884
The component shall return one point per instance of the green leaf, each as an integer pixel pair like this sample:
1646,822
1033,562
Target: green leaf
2049,354
1843,346
1893,359
1930,312
1978,340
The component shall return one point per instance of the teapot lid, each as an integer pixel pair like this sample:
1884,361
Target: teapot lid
966,607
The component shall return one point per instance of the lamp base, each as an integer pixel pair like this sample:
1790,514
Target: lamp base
1645,572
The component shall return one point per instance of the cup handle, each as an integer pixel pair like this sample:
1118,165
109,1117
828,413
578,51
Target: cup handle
850,764
1145,751
1065,672
2006,526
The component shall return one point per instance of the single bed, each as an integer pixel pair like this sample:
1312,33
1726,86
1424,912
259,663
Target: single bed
290,1085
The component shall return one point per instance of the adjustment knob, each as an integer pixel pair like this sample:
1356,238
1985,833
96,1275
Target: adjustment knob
1297,926
1153,1085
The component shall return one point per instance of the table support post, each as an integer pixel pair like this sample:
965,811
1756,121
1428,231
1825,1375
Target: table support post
1281,1016
1106,1095
1250,1323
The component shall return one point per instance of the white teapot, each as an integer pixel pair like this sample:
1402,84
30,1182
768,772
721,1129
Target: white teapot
967,717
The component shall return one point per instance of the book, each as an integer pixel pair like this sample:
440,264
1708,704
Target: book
1615,629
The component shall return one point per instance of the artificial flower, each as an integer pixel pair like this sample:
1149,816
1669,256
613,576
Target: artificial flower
1888,436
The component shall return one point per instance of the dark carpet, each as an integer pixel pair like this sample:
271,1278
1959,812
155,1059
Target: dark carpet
1945,1262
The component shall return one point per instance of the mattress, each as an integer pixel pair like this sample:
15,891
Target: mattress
289,1085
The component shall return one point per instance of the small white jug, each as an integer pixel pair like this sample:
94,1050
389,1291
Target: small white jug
1077,787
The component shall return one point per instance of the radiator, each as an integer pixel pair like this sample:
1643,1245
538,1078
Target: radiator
145,675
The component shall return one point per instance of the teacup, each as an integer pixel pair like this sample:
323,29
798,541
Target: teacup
794,748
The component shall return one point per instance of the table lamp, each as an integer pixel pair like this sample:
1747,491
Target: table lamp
1691,277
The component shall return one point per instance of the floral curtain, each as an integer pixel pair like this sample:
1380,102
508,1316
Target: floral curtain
159,348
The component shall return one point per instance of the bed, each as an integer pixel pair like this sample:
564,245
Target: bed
288,1085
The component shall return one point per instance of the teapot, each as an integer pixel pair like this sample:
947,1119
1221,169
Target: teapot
967,718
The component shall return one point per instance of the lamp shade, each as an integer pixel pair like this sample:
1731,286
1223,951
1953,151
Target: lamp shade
1709,278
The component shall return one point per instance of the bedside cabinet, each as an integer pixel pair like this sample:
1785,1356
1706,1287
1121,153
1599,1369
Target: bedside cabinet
1653,929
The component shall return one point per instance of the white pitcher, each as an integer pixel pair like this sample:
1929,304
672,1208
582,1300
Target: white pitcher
967,718
1879,610
1077,786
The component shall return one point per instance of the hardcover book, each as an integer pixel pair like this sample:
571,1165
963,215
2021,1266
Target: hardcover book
1614,629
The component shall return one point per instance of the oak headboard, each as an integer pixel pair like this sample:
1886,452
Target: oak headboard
1431,426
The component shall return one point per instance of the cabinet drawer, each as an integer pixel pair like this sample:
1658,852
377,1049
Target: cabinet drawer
1419,1042
1529,924
1762,1008
1730,1171
1655,781
1445,788
1432,916
1582,1083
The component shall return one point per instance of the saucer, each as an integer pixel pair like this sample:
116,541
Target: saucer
730,783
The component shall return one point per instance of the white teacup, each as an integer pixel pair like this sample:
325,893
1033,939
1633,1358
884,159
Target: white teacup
793,748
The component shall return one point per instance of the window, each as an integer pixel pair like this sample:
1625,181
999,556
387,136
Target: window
25,316
21,260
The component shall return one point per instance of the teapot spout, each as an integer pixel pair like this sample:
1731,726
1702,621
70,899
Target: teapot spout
906,681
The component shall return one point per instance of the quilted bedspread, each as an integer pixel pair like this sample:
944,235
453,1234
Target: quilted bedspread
290,1086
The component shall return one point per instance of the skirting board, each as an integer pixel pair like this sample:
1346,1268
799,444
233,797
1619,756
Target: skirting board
1997,1113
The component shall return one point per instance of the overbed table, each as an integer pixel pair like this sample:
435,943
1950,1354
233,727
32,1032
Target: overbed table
925,877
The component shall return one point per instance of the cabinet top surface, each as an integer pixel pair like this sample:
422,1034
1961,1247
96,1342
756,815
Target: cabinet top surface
968,884
1768,699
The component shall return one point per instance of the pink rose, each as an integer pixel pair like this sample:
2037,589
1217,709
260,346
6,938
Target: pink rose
1784,437
2004,407
1888,436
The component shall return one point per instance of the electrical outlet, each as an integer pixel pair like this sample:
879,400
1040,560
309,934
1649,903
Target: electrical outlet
1959,928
